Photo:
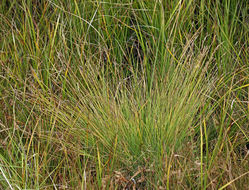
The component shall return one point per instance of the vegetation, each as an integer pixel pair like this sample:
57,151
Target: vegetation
124,94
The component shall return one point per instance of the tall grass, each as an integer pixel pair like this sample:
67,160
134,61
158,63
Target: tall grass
124,94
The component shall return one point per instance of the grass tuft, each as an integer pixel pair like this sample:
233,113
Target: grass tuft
124,94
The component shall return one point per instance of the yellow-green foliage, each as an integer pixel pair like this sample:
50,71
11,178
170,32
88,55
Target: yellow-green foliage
124,94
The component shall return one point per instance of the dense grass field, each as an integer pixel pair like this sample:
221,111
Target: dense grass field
124,94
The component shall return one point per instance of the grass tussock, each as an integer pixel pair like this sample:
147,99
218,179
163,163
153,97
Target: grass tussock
124,94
